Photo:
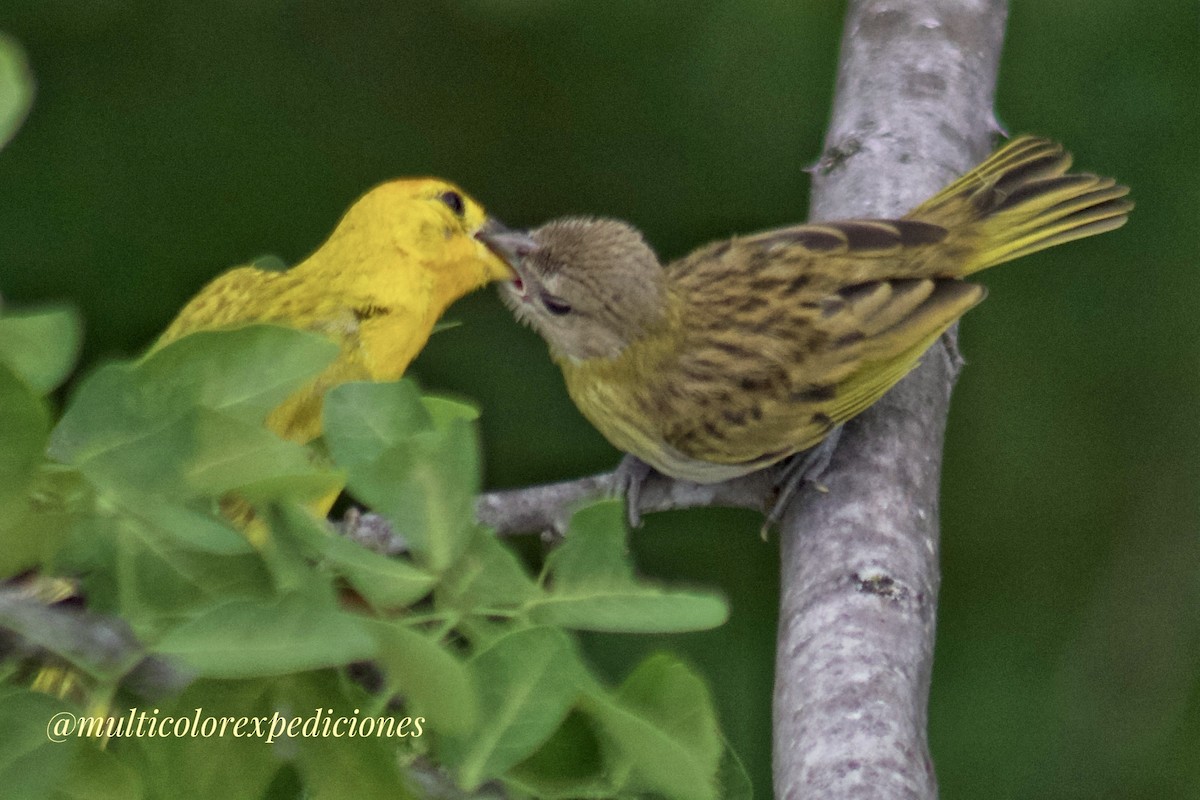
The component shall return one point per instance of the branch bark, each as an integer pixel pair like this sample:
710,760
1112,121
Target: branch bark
31,629
912,109
548,507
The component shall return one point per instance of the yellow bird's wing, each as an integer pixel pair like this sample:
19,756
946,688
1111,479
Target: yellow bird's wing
248,295
232,298
377,343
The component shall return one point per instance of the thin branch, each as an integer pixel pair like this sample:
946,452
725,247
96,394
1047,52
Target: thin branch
860,581
548,507
98,643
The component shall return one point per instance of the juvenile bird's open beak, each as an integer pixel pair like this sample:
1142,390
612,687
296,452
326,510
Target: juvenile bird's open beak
511,246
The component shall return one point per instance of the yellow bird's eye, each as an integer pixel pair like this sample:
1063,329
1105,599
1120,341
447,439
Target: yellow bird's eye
454,201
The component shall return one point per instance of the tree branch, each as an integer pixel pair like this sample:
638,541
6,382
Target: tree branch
548,507
913,108
860,576
32,629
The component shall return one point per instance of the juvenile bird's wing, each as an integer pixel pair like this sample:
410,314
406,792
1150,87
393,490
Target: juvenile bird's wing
1020,200
815,323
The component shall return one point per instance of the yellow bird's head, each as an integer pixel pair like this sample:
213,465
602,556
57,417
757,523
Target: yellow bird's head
410,233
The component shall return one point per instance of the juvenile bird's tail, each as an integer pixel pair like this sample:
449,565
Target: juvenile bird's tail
1019,201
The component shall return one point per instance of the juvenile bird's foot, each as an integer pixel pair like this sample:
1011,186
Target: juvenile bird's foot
802,468
628,479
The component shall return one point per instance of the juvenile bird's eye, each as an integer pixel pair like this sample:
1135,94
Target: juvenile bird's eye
454,201
555,305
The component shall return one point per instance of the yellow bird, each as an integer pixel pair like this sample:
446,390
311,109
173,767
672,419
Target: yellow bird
758,348
400,256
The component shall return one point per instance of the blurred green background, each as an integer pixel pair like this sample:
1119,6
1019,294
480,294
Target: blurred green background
172,139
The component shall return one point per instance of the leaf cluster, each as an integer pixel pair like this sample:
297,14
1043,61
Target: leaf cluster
120,502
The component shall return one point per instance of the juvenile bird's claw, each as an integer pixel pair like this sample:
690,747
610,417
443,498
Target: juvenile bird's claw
802,468
628,479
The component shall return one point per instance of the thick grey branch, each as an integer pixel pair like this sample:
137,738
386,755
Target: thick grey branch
913,108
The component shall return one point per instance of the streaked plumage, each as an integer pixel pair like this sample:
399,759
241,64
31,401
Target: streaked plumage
752,349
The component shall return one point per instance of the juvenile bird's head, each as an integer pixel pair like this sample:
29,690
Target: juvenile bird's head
590,287
413,230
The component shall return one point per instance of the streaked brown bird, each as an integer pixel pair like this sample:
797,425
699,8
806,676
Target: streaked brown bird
757,348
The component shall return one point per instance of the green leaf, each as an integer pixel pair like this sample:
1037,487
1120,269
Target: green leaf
31,538
528,681
268,262
161,565
247,370
446,325
40,345
16,88
633,610
569,766
487,575
244,372
30,764
104,412
39,528
664,728
200,768
24,428
183,529
201,453
592,586
426,488
385,583
594,551
30,532
340,767
100,775
421,478
70,766
733,780
252,638
434,683
444,410
230,454
363,420
149,461
669,693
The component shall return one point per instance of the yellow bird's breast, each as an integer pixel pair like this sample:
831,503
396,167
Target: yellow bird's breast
377,344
